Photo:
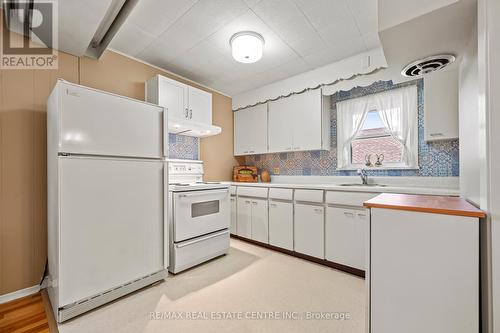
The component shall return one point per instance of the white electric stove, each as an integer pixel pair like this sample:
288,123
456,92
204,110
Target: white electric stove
199,218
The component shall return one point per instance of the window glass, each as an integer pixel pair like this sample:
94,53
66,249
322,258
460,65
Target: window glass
374,139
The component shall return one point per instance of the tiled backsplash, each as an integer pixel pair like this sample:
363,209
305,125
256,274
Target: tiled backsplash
436,159
183,147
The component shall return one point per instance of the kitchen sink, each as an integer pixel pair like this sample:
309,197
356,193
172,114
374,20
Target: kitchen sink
368,185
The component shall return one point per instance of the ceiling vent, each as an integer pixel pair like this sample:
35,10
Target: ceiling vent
427,65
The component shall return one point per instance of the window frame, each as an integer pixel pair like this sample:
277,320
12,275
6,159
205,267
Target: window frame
386,166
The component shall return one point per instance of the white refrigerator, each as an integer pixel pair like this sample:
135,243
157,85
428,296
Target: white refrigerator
107,197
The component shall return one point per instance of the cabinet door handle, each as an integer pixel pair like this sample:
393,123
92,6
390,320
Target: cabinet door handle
251,151
362,215
254,203
297,148
349,214
436,134
247,201
190,114
186,113
232,199
273,205
289,148
318,210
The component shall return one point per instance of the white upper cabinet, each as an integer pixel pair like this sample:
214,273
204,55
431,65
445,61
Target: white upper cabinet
172,95
441,105
250,130
307,120
183,102
200,105
280,125
299,122
189,108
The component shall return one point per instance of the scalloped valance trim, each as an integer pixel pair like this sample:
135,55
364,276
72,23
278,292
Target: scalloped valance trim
319,86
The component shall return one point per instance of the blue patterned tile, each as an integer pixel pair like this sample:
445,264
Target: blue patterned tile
183,147
394,173
315,154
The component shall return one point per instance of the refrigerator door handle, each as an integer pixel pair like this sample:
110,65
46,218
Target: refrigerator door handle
166,239
165,132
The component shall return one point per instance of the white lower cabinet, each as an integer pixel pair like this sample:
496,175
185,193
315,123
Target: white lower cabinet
424,273
281,224
299,222
346,236
244,217
252,219
309,230
233,228
260,222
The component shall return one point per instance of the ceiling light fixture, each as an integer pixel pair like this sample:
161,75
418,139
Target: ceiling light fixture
247,46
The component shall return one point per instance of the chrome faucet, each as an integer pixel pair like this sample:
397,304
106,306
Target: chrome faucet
364,176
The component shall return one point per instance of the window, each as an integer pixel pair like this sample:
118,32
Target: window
374,140
378,131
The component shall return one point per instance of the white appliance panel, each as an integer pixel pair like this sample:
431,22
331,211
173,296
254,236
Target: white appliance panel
200,212
98,123
110,210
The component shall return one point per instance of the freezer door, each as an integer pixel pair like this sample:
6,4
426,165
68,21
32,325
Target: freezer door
98,123
111,224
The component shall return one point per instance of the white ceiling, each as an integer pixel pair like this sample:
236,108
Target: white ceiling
191,37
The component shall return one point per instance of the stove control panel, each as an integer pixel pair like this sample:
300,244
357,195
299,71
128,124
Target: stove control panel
190,168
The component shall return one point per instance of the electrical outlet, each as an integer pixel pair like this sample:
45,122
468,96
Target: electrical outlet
276,171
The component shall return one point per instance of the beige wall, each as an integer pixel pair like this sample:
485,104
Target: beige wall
124,76
23,184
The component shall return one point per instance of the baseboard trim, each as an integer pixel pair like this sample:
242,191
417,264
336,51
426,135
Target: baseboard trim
324,262
19,294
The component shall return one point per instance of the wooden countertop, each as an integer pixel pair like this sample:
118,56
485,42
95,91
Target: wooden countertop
425,203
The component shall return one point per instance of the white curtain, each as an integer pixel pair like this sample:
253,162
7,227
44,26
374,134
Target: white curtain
399,112
350,117
397,109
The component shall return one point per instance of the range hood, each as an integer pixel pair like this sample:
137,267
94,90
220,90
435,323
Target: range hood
192,128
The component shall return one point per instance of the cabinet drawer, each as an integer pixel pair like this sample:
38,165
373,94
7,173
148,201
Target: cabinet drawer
348,198
309,196
281,193
257,192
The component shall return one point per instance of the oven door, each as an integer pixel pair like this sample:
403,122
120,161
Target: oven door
197,213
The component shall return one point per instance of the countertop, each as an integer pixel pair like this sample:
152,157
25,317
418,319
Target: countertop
371,189
425,203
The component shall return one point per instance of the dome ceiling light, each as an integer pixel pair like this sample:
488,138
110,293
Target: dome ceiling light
247,46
